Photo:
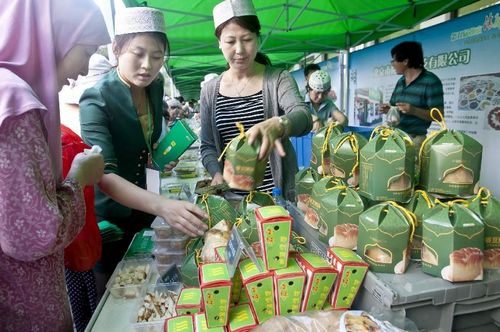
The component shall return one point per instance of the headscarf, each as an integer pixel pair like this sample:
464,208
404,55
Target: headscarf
34,37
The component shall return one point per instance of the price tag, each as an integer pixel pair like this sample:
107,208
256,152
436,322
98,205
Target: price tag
237,246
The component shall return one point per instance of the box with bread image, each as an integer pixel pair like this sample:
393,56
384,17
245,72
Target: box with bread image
338,212
289,287
344,156
242,168
320,154
487,207
351,272
304,181
241,319
453,242
420,203
450,161
311,216
384,237
320,276
215,285
387,166
274,226
258,285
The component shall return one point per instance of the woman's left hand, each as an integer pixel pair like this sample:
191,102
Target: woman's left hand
270,132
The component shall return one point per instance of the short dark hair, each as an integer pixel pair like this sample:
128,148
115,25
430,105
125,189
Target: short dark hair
121,40
410,50
250,23
312,67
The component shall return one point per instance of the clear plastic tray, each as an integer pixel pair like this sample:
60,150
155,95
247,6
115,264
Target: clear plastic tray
167,257
157,324
164,230
129,277
173,243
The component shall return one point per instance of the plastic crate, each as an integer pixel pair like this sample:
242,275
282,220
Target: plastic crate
303,148
432,303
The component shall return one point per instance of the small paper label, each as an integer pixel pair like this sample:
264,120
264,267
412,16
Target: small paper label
236,246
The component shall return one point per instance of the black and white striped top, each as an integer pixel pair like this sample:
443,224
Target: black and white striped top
248,110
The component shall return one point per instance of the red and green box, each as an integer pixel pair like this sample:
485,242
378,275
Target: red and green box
241,319
215,287
289,287
320,276
260,290
274,225
183,323
189,301
352,270
200,324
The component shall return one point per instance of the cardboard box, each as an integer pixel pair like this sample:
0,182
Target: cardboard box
452,243
304,181
352,270
344,156
274,225
320,154
189,301
419,204
241,319
289,288
259,288
217,208
200,324
215,287
384,238
320,276
182,323
174,144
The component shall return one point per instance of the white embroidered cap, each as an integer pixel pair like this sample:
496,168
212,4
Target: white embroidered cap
139,19
228,9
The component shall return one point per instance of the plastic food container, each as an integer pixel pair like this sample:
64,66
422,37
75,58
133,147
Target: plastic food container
164,230
129,278
173,243
167,257
153,295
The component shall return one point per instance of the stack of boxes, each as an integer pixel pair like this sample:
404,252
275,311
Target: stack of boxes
169,247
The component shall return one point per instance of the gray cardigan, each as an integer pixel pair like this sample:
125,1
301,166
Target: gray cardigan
280,96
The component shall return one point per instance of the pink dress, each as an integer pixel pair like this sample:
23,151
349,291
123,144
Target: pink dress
38,218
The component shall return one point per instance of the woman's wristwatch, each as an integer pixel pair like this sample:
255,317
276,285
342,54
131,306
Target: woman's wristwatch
285,126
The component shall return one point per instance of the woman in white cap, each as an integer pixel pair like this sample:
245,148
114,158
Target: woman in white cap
322,107
264,99
122,113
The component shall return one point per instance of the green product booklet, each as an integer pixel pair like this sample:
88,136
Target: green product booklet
172,146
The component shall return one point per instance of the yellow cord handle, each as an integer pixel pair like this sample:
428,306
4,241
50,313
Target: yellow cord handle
240,136
439,120
353,140
238,222
451,203
425,197
410,217
324,147
442,124
300,239
197,256
375,131
484,199
337,187
204,200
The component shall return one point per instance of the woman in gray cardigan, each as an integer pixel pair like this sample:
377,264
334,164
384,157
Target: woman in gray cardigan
265,100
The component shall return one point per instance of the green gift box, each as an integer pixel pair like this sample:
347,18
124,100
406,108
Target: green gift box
200,324
289,287
304,181
339,208
452,243
274,226
450,162
387,166
241,319
320,276
242,168
253,200
174,144
320,155
384,237
217,208
182,323
311,215
190,263
215,285
487,207
189,301
352,270
419,204
344,156
248,227
259,288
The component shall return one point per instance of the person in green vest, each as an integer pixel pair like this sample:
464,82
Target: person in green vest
122,114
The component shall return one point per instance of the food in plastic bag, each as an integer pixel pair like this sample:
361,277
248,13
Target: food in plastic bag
217,236
318,321
393,118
